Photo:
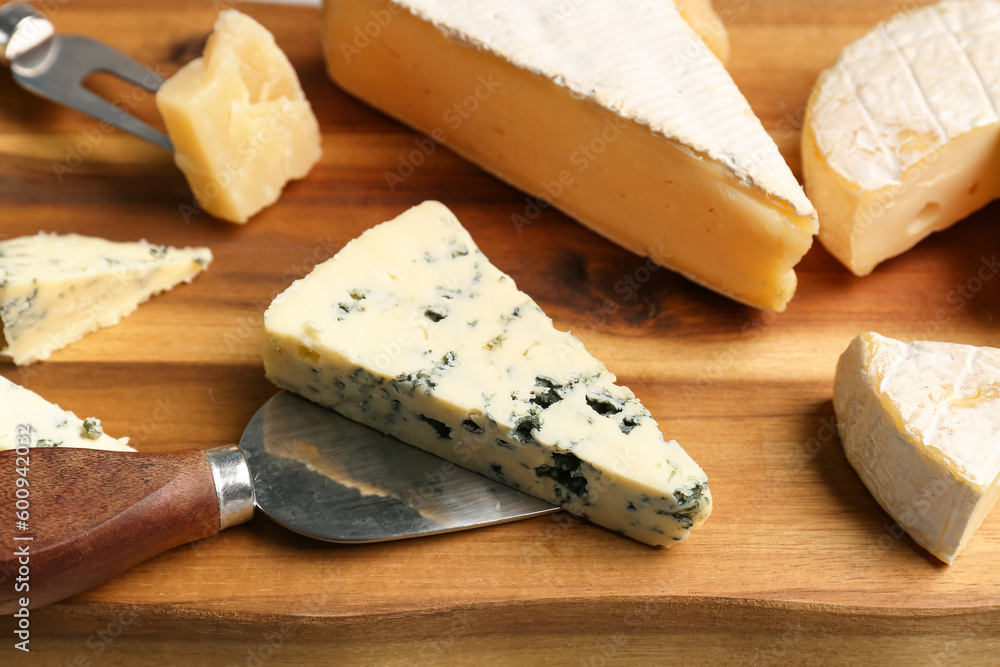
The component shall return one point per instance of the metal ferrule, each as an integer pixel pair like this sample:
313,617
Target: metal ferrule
22,28
233,485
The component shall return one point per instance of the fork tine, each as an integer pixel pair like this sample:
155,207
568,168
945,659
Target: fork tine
57,69
83,100
54,66
93,56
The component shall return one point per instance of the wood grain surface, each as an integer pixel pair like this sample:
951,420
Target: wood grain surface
797,563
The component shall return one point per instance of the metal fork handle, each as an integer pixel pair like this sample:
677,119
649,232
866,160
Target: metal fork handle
22,28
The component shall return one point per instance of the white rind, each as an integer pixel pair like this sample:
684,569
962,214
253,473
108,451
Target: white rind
920,423
634,58
909,87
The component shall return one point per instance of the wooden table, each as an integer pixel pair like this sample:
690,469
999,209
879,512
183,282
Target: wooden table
797,561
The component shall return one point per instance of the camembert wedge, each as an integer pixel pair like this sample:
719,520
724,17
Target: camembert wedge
28,419
54,288
902,135
920,422
615,112
240,124
411,330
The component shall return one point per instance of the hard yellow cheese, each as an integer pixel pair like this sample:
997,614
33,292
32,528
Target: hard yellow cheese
617,113
240,123
921,425
902,134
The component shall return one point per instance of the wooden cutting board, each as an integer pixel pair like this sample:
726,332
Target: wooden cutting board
797,561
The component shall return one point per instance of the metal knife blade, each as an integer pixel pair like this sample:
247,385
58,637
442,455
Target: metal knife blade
328,477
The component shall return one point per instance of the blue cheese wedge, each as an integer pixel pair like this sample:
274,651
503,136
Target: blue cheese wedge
411,330
28,419
54,289
920,422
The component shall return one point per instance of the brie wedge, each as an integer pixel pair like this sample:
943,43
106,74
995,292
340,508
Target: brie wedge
411,330
55,289
615,112
902,136
920,423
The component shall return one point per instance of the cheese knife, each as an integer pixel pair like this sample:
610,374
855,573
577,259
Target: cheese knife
55,66
92,514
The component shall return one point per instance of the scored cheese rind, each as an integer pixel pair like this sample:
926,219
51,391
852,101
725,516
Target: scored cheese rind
240,124
54,289
28,419
617,113
920,423
902,134
411,330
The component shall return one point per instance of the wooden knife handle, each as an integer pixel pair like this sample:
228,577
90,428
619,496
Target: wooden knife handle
93,514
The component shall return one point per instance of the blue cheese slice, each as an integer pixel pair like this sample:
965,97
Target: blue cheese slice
920,422
411,330
28,419
54,289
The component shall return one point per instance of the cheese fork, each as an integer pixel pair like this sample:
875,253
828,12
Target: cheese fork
54,66
89,515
